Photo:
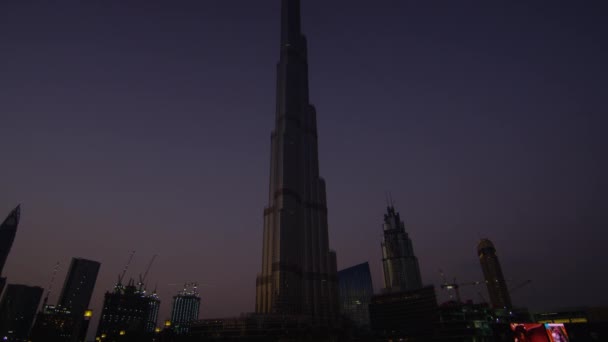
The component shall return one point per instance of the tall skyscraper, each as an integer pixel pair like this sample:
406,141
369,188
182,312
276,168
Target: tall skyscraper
492,273
17,311
185,310
401,270
8,230
298,269
78,290
356,291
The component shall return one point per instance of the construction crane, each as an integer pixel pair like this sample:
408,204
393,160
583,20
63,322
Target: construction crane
124,271
455,286
50,287
519,286
143,279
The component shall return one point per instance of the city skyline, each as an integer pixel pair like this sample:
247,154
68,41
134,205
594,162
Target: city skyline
115,157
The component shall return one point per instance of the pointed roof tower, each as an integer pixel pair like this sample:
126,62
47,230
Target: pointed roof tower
8,230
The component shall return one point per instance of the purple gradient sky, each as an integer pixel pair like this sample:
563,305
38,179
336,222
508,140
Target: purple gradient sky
145,125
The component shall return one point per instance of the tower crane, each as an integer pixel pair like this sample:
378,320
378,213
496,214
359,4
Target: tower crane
455,286
124,271
519,286
143,279
50,287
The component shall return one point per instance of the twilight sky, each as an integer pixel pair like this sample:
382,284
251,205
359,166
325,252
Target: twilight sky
145,125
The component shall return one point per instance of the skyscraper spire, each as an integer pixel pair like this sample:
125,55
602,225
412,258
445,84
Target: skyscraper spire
298,270
8,230
291,28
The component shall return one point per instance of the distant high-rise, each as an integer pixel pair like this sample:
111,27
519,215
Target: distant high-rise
17,311
298,275
185,309
78,290
405,315
8,230
356,291
492,273
125,313
401,270
153,309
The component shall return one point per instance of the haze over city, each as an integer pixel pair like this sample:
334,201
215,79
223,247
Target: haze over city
146,126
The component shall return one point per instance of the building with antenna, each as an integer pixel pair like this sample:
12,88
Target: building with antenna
405,310
493,276
186,305
400,265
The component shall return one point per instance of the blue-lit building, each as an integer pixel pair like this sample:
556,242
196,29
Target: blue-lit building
185,309
153,309
355,293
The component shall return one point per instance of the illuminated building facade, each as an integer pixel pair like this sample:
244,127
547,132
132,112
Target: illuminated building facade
298,276
8,230
492,273
356,290
401,269
125,313
185,310
153,309
18,310
78,290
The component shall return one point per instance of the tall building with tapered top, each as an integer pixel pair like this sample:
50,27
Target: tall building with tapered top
401,269
298,269
492,273
8,230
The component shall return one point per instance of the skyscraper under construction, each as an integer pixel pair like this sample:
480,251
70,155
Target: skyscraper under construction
401,269
492,273
298,275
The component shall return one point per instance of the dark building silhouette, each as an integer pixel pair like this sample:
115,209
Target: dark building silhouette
53,324
124,314
78,290
401,269
408,315
492,273
356,290
8,230
17,311
185,309
298,274
465,322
